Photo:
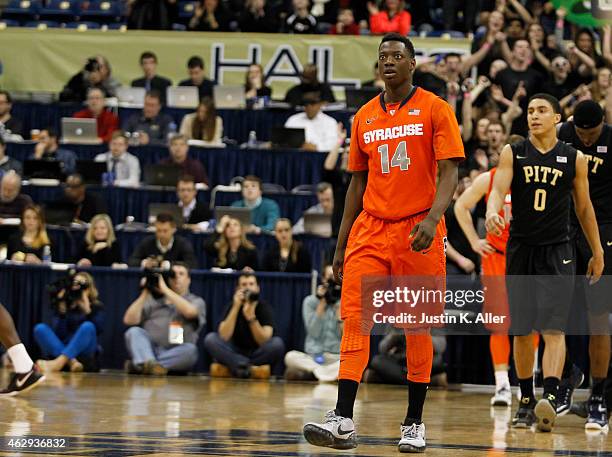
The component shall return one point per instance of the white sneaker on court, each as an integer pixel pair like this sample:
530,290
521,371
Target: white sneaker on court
413,438
336,432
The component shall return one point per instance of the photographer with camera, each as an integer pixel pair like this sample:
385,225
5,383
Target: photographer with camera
321,314
244,346
166,319
72,338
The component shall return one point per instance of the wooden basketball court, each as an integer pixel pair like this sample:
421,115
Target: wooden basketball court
113,415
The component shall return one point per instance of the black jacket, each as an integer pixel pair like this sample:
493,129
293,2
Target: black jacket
182,251
158,84
200,213
272,261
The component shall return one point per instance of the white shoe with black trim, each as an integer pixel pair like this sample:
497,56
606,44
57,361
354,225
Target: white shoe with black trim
336,432
413,439
502,397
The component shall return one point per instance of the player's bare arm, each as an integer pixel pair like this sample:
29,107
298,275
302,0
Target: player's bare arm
586,216
423,233
501,184
352,207
463,212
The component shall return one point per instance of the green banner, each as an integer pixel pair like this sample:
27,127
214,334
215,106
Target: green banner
579,12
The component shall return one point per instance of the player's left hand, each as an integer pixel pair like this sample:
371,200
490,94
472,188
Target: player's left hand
595,269
422,235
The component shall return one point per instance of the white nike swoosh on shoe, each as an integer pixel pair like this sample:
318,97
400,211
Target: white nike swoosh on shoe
22,381
609,243
343,432
602,409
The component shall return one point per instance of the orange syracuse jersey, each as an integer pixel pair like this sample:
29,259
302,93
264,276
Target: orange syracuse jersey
399,144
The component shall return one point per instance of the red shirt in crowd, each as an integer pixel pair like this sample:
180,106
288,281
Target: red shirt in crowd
381,24
352,29
107,122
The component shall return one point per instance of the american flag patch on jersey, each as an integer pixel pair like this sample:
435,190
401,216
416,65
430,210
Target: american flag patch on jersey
414,112
561,159
602,149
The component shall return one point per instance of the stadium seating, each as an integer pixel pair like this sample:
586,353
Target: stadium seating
62,11
102,12
22,10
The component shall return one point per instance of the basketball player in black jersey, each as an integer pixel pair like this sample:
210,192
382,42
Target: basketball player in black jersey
543,174
588,133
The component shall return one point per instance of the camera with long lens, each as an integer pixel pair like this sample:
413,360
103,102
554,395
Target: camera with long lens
72,290
250,296
332,292
152,274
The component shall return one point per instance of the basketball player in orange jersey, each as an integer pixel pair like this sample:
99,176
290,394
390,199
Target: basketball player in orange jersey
392,224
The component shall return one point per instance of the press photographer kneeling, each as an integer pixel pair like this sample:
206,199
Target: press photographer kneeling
167,319
71,341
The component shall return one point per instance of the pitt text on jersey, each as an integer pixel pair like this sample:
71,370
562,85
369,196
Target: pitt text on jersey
541,174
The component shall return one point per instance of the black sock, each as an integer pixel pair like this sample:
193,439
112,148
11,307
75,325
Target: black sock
599,385
527,388
347,393
416,399
551,386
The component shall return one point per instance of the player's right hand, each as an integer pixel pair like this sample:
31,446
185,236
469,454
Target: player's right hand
595,269
482,248
495,224
338,265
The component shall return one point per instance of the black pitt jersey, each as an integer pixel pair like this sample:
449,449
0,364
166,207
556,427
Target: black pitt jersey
541,193
600,169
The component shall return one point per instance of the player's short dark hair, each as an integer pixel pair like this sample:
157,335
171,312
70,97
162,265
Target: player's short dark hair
402,39
6,93
195,62
148,55
165,217
588,114
549,98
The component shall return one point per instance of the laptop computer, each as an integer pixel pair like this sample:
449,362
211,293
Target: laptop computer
91,171
182,97
356,98
75,130
318,224
59,213
42,169
169,208
242,214
229,97
161,175
131,97
283,137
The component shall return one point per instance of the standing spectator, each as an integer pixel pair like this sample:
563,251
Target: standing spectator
210,16
179,157
29,243
100,247
47,148
288,255
203,125
244,345
151,125
392,18
489,47
562,79
197,77
345,25
229,247
321,130
257,18
321,315
12,201
264,211
254,86
10,124
325,196
107,122
85,204
151,81
167,325
164,245
300,20
309,84
8,163
72,337
148,15
194,211
90,77
583,56
600,87
125,167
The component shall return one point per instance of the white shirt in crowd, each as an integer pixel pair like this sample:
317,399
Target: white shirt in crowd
126,168
322,130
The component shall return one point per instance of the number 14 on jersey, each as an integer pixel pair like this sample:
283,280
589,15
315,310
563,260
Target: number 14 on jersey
400,157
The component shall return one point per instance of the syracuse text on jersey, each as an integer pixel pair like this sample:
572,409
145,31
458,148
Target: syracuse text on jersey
392,133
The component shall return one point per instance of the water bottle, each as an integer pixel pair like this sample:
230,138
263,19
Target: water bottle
252,141
46,255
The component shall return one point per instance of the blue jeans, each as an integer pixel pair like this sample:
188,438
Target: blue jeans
181,357
83,343
232,357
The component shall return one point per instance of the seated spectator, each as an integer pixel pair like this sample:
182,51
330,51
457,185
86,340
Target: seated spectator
254,87
107,122
124,167
325,196
71,341
151,81
300,20
90,77
167,323
289,255
320,129
8,163
194,212
86,204
203,125
47,148
109,83
264,211
29,243
152,126
210,16
12,201
197,77
257,18
164,245
243,345
321,315
335,172
392,18
345,25
10,126
229,247
100,247
310,84
179,157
